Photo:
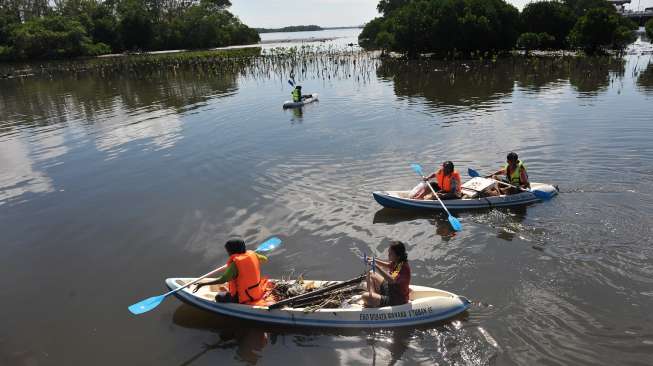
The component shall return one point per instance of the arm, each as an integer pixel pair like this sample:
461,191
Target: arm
384,274
228,275
432,175
498,172
524,179
381,263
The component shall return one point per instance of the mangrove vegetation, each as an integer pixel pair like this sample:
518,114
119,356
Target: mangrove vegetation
292,28
467,27
42,29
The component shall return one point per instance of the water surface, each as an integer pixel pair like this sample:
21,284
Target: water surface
109,185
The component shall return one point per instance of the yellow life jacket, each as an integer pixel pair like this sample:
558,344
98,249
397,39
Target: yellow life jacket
514,177
296,95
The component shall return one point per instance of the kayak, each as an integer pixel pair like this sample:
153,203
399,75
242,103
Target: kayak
291,104
400,199
426,305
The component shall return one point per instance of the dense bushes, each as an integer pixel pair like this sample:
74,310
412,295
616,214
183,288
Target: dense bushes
90,27
453,27
421,26
550,17
649,29
600,28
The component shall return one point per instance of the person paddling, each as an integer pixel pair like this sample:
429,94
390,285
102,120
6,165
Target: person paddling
514,172
243,274
297,94
447,183
389,284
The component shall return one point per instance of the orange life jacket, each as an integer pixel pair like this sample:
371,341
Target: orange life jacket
248,285
445,182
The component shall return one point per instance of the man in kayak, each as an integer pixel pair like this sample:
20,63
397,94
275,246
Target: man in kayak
447,185
297,94
514,172
243,274
388,284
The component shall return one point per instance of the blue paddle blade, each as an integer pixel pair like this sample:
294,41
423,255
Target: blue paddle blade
472,173
417,169
146,305
455,224
291,83
269,245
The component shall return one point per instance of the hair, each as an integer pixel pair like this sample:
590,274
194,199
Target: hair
399,248
235,246
512,156
448,166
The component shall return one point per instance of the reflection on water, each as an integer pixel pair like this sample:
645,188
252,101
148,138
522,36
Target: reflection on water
476,84
645,79
253,342
113,113
507,221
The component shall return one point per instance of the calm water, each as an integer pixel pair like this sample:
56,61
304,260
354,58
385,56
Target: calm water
110,185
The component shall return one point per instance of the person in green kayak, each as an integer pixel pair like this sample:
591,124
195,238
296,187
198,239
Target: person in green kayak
242,272
388,285
514,172
297,94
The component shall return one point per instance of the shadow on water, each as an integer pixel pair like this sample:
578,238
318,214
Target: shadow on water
249,339
392,216
507,221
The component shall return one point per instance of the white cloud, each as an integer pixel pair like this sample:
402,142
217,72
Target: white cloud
17,173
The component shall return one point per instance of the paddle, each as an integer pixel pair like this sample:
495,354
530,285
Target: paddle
455,224
152,302
539,194
291,83
319,291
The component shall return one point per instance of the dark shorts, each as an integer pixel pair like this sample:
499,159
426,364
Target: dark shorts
385,294
446,196
226,298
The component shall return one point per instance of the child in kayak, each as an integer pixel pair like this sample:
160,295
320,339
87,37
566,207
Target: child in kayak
243,274
389,284
514,172
297,94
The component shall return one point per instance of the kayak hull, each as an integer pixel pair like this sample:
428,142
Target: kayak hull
290,104
427,305
399,200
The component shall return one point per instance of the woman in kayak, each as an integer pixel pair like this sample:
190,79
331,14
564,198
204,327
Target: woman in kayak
388,284
447,185
243,274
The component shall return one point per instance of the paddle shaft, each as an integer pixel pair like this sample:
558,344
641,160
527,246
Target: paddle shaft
511,185
438,197
294,299
194,281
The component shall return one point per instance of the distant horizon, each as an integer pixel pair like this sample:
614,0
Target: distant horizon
335,13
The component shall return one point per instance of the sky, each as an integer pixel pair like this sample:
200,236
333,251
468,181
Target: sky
326,13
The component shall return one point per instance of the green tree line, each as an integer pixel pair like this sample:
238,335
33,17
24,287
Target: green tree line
649,29
292,28
447,27
42,29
